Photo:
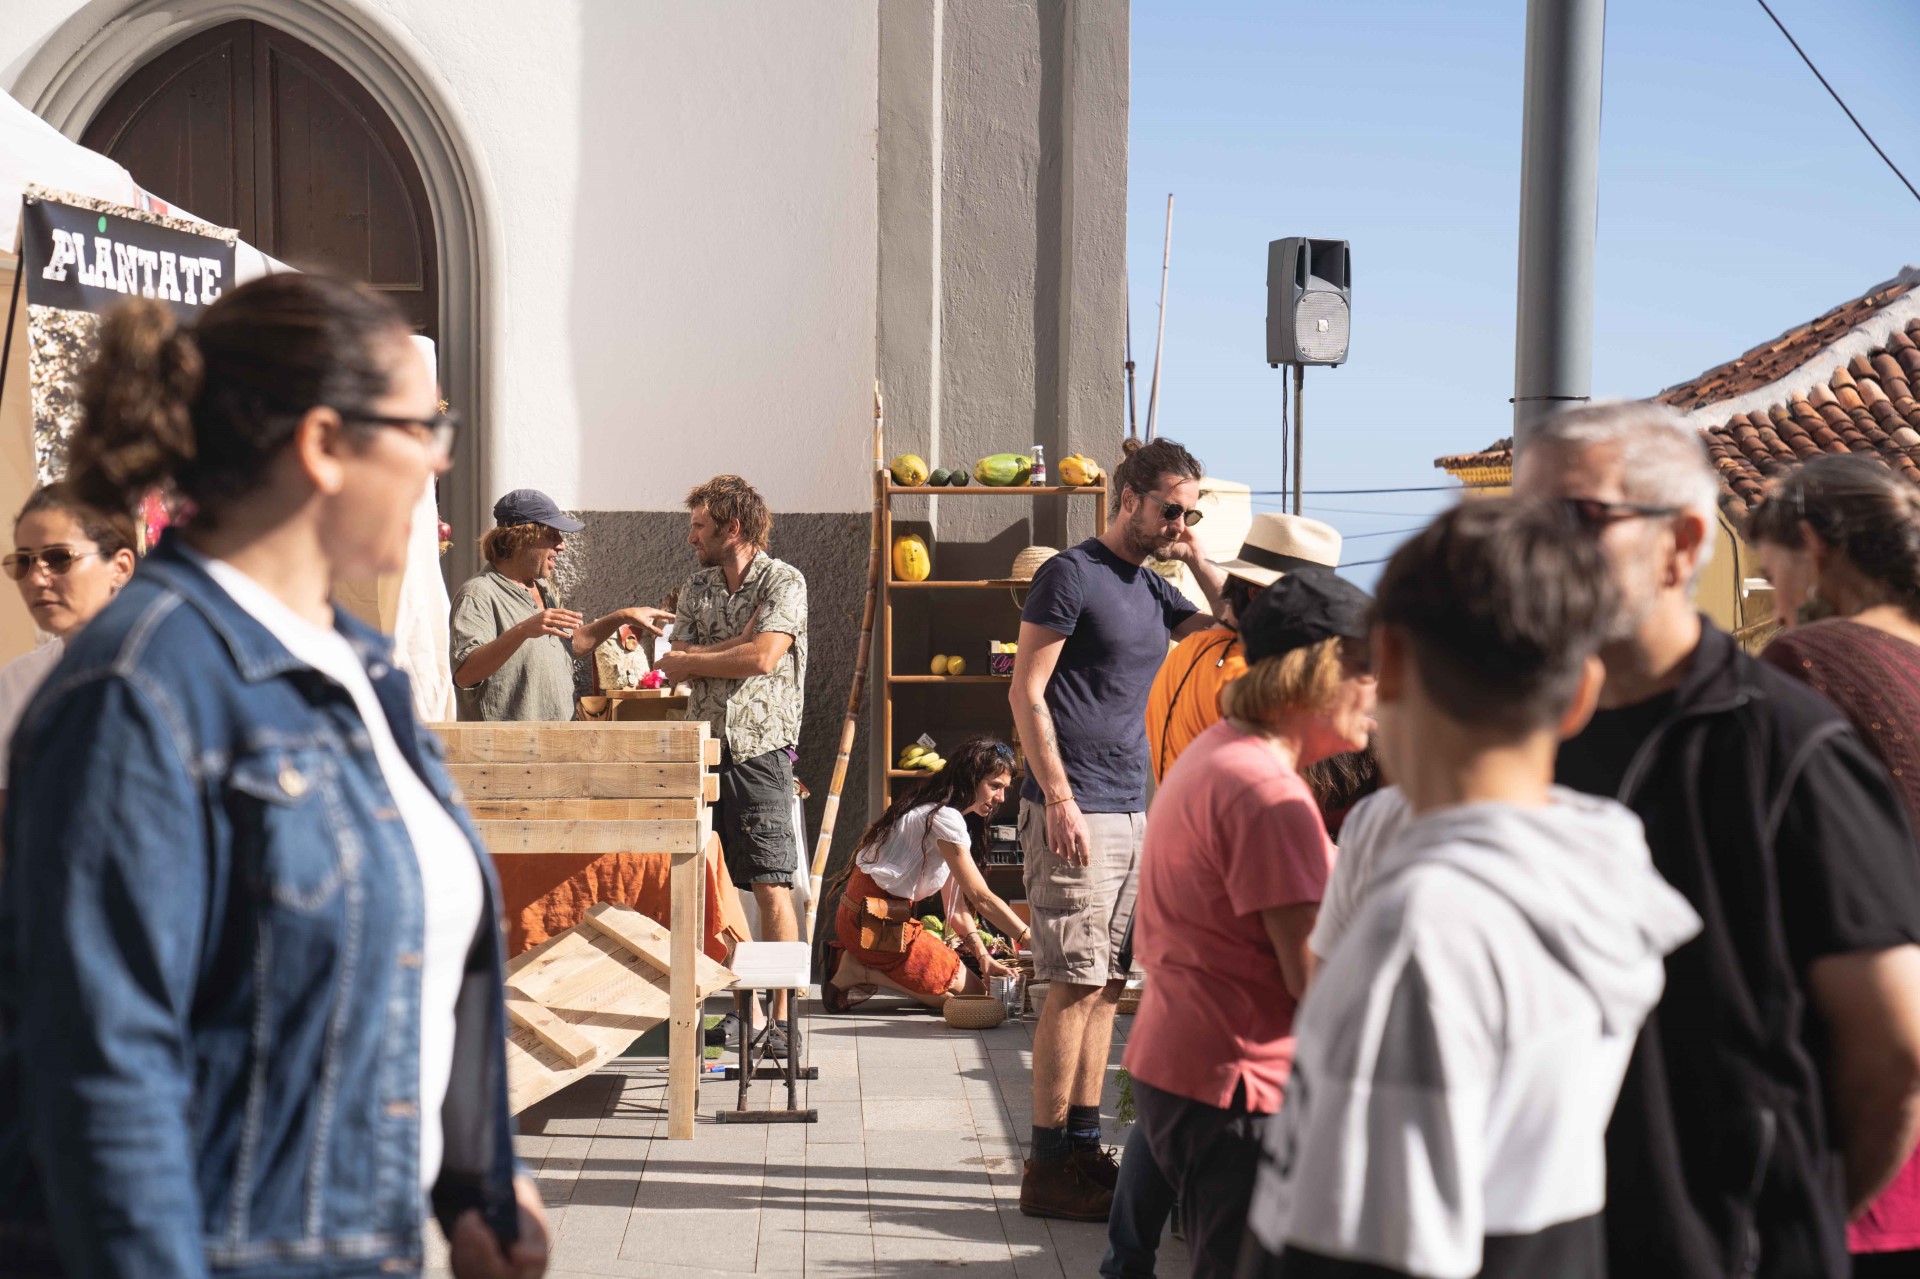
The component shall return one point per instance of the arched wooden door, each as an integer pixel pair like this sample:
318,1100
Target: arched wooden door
248,127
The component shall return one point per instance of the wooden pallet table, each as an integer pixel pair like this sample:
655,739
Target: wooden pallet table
580,998
587,788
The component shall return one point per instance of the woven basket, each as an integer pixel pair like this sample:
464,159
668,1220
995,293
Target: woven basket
974,1012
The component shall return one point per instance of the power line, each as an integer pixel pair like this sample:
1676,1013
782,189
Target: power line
1430,488
1392,532
1837,98
1363,563
1346,510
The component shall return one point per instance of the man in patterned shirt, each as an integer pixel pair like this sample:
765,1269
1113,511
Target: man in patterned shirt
740,641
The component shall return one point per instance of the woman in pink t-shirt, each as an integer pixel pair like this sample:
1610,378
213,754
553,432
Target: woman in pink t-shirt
1235,861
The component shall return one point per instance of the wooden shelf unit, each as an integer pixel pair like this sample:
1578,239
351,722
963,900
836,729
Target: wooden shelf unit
889,678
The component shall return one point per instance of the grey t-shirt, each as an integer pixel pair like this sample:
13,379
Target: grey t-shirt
536,683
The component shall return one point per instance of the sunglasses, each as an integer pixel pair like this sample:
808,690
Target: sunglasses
59,561
1591,513
440,429
1187,515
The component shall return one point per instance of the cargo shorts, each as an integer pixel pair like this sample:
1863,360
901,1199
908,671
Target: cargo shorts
755,818
1081,913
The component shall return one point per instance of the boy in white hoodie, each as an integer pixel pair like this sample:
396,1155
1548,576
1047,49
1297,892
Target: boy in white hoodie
1461,1050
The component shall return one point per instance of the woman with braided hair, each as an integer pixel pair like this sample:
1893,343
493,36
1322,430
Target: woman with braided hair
1839,538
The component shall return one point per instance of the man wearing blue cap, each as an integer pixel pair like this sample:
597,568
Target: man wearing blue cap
512,645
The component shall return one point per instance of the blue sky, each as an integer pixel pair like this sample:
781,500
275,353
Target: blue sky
1735,201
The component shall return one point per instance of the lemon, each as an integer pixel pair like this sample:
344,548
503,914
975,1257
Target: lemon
940,663
955,665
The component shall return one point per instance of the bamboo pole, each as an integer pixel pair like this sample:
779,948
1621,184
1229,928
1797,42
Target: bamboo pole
857,694
1160,342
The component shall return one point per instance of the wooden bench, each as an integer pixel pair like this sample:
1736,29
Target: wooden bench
598,788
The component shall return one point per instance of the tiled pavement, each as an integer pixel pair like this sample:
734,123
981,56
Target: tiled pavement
914,1165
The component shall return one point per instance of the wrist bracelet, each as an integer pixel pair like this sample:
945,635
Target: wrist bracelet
1064,799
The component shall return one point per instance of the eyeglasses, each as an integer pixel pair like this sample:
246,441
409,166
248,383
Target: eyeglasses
1592,513
1187,515
441,428
59,561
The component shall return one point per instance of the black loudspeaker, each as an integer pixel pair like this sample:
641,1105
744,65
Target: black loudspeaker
1309,298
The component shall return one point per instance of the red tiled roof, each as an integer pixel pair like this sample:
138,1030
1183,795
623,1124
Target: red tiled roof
1771,361
1865,405
1495,455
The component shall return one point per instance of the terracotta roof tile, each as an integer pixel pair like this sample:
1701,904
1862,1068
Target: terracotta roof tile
1867,405
1771,361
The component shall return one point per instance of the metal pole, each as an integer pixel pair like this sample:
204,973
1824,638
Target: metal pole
1299,437
1160,343
1559,206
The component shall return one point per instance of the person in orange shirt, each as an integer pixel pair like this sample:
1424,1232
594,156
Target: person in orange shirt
1185,699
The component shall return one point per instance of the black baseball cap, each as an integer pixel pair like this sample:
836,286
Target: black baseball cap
1306,606
531,506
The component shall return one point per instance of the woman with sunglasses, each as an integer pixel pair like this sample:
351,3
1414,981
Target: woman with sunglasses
918,848
250,953
68,560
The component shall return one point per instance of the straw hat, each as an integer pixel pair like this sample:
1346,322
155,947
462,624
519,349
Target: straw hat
1025,565
1277,543
1028,562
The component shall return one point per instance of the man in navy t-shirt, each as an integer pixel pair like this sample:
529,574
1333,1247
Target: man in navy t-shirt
1094,632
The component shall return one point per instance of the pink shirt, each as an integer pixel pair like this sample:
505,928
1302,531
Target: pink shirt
1233,831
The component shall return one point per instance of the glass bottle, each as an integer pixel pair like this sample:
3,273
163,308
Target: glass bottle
1038,478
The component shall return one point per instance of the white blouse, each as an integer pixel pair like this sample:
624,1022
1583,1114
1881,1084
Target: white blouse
20,679
908,862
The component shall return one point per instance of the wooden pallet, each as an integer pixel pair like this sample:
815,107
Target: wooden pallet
592,789
581,998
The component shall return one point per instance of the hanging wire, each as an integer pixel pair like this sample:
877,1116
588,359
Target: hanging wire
1364,563
1832,92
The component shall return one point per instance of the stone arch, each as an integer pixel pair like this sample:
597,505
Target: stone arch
71,77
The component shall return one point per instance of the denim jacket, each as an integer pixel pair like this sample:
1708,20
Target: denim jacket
210,958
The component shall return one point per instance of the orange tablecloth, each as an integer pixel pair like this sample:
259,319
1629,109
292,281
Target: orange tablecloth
542,894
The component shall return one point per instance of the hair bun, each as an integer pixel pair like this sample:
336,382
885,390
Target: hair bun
136,399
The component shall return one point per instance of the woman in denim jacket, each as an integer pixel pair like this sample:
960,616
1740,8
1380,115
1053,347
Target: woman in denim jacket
250,965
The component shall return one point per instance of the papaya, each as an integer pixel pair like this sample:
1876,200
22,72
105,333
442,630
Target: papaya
1079,471
911,561
1003,470
909,470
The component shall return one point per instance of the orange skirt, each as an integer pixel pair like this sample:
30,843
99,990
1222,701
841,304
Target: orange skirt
926,966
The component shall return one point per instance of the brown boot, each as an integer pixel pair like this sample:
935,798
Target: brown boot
1099,1164
1061,1188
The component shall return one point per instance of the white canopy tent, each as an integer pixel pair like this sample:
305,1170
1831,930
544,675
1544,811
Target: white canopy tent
33,152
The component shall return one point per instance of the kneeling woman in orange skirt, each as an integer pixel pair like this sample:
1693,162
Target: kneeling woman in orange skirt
919,847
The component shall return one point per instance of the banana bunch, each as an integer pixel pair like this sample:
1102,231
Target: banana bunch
918,759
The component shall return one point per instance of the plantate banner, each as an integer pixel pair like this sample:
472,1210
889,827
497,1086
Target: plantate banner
79,257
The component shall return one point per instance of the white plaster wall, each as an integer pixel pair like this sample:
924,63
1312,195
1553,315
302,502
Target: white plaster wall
686,198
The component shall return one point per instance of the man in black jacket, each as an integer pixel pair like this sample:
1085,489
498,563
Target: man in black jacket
1776,1088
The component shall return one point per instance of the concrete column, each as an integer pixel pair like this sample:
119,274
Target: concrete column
909,207
1090,398
1559,209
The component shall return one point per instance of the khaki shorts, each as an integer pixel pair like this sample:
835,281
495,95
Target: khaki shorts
1081,913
